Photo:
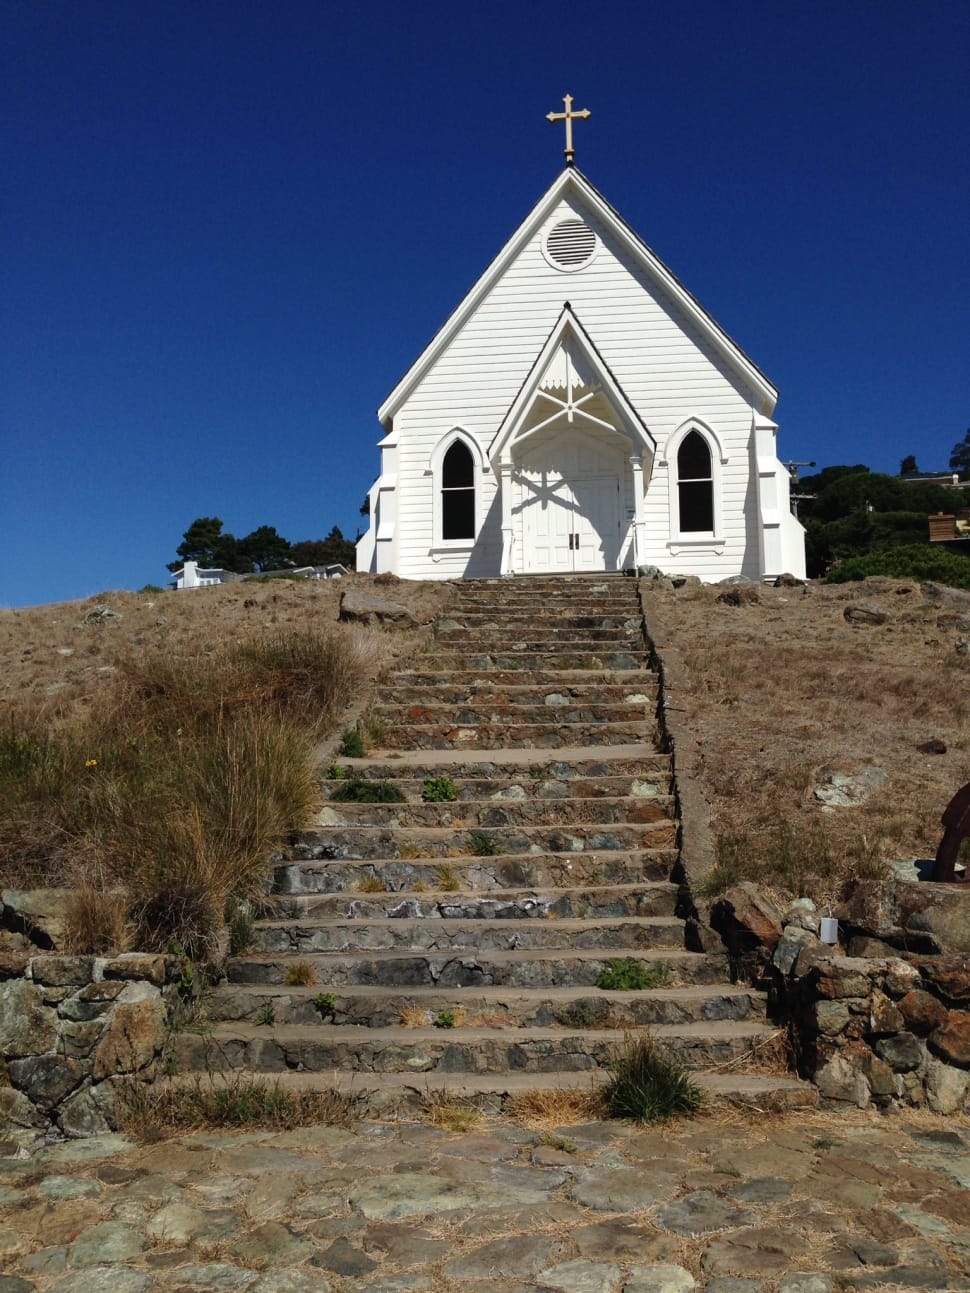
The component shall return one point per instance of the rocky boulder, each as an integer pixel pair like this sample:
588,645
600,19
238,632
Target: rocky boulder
365,608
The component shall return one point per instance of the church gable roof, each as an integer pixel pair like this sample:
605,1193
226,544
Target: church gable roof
568,363
573,185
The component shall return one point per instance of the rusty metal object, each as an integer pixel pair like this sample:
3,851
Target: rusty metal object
956,828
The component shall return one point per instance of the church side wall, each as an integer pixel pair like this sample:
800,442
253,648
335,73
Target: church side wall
666,369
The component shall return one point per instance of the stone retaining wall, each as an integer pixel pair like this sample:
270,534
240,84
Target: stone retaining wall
888,1027
72,1028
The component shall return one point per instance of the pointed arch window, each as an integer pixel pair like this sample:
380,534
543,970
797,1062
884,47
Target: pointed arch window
458,493
695,485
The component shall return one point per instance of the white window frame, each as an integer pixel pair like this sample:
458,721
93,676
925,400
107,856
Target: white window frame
694,538
435,469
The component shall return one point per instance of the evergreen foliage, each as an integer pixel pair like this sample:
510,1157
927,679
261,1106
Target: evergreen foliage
960,457
912,561
263,549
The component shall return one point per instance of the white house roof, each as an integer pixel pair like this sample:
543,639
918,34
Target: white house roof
572,183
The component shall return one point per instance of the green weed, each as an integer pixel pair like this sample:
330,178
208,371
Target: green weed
629,975
439,790
648,1085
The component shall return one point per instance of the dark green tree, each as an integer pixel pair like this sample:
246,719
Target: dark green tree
960,457
200,542
266,549
325,552
908,466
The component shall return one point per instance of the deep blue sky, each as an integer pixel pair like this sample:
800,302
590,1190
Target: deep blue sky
229,227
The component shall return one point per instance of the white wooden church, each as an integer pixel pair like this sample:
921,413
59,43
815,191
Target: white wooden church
580,411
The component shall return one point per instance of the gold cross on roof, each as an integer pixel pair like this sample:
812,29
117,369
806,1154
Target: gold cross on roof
569,117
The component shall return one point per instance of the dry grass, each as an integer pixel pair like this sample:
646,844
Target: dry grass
447,1111
97,920
156,1112
414,1017
554,1107
776,692
301,974
169,752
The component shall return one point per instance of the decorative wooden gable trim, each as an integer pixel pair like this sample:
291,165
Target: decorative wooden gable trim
570,362
573,184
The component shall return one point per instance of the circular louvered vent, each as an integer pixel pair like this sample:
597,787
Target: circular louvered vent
570,244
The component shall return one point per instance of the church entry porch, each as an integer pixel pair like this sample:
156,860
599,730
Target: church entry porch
568,496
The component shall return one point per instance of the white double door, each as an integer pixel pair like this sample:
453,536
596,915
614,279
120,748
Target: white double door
570,508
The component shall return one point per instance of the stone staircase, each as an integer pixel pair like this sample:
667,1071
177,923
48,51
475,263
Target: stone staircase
458,944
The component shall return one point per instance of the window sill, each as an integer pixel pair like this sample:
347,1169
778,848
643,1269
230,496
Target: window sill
696,541
453,545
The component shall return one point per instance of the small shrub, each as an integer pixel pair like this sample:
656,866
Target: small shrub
446,879
360,791
335,772
300,974
351,744
482,845
267,1015
629,975
439,790
648,1085
444,1019
909,561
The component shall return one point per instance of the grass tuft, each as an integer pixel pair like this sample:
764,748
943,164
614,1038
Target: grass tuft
150,1113
301,974
648,1085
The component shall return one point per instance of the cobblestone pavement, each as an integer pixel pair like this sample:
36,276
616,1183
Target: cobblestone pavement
811,1203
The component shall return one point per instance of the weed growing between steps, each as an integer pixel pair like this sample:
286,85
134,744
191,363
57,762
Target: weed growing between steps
153,1113
438,790
173,784
648,1085
626,974
359,791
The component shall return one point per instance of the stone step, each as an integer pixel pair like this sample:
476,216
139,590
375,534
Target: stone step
633,760
544,635
509,811
651,898
515,691
325,1048
564,656
473,874
558,709
650,784
491,1007
367,842
459,678
625,616
561,589
385,1094
519,969
444,936
488,736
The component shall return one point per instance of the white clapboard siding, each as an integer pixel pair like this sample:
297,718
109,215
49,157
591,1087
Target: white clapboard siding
666,366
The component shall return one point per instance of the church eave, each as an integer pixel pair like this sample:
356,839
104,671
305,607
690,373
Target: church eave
571,178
